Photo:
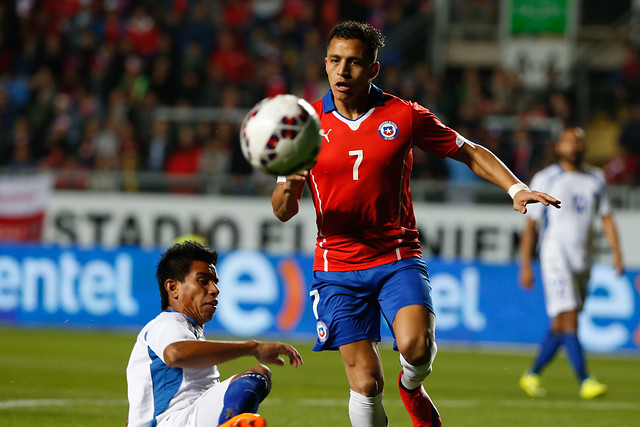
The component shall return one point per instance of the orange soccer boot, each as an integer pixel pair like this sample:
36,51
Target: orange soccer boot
245,420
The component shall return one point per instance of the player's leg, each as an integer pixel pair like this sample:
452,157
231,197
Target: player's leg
559,297
414,328
530,380
239,394
245,392
366,380
567,322
348,319
405,300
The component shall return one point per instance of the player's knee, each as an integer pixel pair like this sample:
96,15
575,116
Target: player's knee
418,350
261,369
264,371
368,385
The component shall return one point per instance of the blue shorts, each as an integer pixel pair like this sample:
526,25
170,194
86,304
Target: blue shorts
347,305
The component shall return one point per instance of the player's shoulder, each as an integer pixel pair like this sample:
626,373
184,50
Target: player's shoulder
548,173
166,318
593,171
393,101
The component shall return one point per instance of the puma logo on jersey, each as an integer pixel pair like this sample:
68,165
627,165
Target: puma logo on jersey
325,134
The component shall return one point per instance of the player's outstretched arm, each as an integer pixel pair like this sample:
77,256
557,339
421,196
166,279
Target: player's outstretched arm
487,166
527,245
610,231
270,352
202,354
285,199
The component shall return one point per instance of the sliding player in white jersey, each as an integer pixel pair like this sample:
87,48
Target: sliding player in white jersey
172,375
565,254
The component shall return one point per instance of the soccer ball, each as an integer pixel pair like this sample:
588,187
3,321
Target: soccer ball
281,135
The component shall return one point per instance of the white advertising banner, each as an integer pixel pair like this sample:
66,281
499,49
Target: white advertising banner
450,231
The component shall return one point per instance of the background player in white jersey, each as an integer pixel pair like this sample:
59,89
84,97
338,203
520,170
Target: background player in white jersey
172,375
368,258
565,255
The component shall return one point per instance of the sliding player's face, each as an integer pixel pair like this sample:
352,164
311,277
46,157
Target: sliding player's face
197,295
349,70
571,146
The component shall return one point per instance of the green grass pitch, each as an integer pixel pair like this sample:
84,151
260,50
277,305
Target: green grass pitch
72,378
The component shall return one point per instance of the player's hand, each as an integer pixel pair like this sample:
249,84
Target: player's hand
298,178
524,197
269,352
526,277
618,264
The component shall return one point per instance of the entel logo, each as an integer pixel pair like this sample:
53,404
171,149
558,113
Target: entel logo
457,301
610,301
249,285
65,285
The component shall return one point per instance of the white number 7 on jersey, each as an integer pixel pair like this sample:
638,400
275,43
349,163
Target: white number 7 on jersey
356,165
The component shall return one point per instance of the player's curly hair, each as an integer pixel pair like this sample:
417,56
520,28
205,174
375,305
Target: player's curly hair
175,264
367,34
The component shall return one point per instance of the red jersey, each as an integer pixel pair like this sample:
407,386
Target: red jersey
360,183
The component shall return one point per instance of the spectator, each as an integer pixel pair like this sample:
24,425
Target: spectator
184,159
622,167
142,33
158,146
630,135
232,57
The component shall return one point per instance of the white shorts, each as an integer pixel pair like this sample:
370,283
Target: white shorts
203,412
564,289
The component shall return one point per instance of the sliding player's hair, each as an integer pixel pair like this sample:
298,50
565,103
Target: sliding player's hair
175,264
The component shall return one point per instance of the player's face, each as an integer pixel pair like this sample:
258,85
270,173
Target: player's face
571,147
349,70
197,296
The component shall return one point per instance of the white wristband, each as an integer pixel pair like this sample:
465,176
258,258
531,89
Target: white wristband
515,188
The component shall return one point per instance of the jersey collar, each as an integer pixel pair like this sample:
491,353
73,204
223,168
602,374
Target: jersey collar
191,319
328,105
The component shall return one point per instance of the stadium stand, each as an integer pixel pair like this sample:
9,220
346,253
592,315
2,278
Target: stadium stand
147,95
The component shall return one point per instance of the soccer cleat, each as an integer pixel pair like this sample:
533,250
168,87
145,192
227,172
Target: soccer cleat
530,383
591,388
245,420
422,411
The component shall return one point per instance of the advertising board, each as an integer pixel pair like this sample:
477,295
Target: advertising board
450,232
264,295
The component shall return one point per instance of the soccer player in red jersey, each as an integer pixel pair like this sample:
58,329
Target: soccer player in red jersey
368,258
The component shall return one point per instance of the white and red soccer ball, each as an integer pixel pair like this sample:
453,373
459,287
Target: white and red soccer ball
281,135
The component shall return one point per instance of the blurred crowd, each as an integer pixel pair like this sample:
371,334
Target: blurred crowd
81,81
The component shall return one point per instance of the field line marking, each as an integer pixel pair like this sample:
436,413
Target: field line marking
35,403
329,402
474,403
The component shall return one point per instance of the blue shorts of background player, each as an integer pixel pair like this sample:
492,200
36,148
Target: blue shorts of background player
348,305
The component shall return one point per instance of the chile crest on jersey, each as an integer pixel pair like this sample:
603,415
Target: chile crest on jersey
388,130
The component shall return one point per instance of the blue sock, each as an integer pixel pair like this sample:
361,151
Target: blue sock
548,348
575,355
244,395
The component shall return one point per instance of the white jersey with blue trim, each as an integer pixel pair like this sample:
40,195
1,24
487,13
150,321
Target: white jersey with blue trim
154,389
568,232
